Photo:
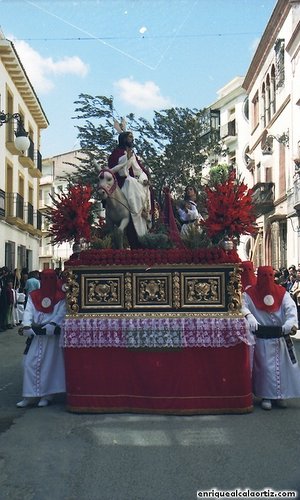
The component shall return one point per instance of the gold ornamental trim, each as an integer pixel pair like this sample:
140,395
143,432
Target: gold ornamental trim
72,293
158,315
234,289
128,291
176,290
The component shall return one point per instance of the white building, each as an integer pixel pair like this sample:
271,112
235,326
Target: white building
272,83
53,181
229,121
20,218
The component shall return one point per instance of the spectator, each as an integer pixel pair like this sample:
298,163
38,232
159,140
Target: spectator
291,278
21,297
295,293
32,283
10,300
4,274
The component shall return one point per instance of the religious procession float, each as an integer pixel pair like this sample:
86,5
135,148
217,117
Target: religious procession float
155,325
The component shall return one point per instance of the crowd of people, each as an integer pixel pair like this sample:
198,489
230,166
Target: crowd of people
13,294
289,278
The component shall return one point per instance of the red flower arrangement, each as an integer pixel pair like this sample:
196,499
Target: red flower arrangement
71,216
150,257
230,210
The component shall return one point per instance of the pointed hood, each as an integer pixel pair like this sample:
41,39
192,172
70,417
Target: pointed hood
266,294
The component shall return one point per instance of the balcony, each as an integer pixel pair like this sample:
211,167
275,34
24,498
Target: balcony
10,139
38,223
27,160
36,171
2,203
228,130
29,218
32,160
210,124
297,194
14,210
263,197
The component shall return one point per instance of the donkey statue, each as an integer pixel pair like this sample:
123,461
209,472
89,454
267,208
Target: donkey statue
116,206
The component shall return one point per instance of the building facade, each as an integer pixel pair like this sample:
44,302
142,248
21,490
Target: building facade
53,181
272,84
20,218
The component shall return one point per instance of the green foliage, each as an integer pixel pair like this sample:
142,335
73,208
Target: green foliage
171,147
196,238
101,242
218,175
155,240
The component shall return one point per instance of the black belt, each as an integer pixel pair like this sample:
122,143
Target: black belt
275,332
269,332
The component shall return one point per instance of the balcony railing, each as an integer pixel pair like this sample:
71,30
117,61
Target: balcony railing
39,161
2,203
32,160
38,220
297,194
228,130
30,152
210,122
29,210
14,206
263,197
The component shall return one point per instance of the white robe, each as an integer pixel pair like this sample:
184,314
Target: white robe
274,375
43,365
189,217
20,306
136,193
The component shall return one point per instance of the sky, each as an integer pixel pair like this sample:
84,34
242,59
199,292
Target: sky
147,54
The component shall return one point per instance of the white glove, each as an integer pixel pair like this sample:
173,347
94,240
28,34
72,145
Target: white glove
50,329
287,329
253,325
28,332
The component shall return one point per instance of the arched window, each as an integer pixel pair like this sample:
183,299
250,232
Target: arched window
263,104
246,108
268,99
273,91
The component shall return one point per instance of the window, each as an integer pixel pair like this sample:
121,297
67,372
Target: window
21,257
268,99
273,91
268,174
263,105
255,110
232,157
10,125
282,177
258,173
279,61
10,251
246,108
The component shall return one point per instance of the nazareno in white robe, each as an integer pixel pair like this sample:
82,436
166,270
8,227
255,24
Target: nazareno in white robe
43,365
274,375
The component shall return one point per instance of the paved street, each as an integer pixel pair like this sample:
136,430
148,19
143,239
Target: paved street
48,453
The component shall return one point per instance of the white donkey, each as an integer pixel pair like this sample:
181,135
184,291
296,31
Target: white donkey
117,209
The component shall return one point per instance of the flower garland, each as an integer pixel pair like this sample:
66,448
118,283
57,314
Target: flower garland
70,217
150,257
230,210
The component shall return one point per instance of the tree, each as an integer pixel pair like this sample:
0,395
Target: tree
172,147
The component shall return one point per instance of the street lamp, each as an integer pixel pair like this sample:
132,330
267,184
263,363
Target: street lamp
22,141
